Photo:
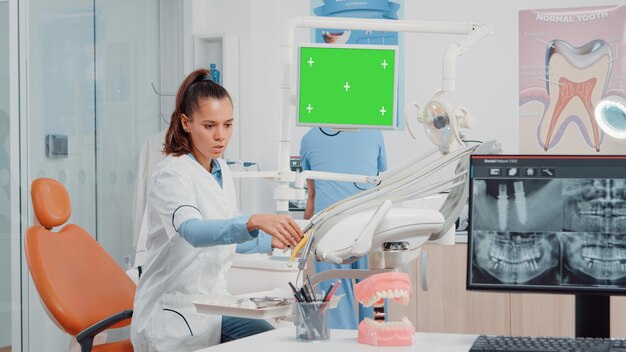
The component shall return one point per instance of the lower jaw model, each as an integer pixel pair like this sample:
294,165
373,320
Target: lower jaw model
575,75
372,292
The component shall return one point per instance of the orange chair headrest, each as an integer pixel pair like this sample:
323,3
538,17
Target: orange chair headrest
51,202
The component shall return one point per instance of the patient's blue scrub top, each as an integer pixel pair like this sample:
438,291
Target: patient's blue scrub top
360,152
363,153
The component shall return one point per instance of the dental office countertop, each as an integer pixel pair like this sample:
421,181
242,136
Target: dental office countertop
284,339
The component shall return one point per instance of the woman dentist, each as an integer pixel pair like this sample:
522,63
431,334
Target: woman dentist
194,227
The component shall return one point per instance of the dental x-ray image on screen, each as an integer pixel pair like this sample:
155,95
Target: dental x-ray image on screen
529,258
516,205
596,205
556,224
594,259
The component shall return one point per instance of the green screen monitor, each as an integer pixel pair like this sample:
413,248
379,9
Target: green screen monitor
347,86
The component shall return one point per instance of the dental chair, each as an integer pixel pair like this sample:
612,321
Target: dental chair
83,290
385,221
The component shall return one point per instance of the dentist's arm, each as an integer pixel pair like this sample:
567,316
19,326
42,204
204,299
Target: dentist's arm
283,229
206,233
261,244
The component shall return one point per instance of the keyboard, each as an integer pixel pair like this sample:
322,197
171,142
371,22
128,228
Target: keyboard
546,344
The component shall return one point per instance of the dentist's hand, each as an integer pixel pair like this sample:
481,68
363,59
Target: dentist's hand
283,229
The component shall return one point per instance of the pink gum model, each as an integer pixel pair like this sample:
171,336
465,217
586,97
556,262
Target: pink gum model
373,291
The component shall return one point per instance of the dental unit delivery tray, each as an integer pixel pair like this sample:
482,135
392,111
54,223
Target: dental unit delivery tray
274,304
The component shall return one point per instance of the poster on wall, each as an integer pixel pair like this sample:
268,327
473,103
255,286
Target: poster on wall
372,9
572,75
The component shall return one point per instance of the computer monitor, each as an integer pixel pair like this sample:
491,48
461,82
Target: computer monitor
347,86
554,224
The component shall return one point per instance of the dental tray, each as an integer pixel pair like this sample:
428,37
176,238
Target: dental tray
276,303
249,305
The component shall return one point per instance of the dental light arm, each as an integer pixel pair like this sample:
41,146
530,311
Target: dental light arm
332,176
454,50
336,230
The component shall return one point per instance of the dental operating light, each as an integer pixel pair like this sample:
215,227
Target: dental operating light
443,123
610,113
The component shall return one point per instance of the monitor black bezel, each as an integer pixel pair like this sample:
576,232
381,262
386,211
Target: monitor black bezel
343,126
528,289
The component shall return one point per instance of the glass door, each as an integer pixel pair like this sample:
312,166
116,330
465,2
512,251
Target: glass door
5,201
87,81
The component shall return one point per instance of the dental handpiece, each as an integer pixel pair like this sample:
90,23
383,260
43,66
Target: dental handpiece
520,202
503,204
307,247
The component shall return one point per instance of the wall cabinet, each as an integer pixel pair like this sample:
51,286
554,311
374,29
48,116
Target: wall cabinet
446,305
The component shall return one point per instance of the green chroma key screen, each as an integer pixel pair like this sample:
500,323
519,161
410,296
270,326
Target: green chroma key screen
350,86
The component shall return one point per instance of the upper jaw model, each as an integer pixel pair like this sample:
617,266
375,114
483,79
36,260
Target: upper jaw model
574,72
373,291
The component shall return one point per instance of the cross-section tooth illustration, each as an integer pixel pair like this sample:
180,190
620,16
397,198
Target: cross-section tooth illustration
576,79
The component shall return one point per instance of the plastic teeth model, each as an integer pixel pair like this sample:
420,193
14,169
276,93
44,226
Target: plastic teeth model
372,292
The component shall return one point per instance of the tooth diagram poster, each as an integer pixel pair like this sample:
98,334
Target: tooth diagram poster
569,61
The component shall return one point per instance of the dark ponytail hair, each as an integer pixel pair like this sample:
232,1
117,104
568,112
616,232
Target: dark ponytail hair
197,87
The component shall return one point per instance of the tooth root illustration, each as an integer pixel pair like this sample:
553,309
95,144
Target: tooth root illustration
577,78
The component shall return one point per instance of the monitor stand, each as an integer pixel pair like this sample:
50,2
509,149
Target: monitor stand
593,316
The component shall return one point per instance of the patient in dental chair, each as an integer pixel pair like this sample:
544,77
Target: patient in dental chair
351,152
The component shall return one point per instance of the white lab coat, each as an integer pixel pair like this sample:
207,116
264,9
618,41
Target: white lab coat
175,272
151,154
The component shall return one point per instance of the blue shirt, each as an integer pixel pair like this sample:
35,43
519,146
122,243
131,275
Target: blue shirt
359,152
204,233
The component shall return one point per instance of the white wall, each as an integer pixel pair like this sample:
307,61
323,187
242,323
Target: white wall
487,75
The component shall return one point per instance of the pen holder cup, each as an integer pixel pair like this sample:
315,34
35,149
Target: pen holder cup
311,320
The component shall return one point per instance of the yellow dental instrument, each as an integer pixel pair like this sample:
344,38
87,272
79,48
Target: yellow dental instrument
301,244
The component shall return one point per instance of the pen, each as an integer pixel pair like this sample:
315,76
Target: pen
330,288
331,291
297,295
311,290
304,293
